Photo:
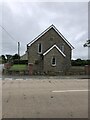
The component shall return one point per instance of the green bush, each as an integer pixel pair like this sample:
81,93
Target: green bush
20,62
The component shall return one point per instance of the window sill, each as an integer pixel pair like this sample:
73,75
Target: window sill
39,52
53,65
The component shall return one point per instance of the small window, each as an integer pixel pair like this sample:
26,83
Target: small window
53,61
62,48
39,48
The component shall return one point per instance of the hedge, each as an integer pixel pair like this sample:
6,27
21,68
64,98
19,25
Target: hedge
20,62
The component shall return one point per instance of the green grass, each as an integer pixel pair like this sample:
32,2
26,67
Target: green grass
18,67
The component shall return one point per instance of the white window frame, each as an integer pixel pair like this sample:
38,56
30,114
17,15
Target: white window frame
52,61
38,48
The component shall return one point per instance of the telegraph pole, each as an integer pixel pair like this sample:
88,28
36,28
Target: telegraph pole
18,51
19,48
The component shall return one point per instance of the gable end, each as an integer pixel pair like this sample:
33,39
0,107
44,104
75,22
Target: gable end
57,31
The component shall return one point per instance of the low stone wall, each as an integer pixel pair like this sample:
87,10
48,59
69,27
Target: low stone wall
74,70
87,69
7,65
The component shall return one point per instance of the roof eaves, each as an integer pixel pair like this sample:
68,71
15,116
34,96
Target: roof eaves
60,51
40,35
52,48
62,36
52,26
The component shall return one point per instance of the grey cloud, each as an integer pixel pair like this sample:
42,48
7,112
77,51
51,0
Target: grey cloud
24,21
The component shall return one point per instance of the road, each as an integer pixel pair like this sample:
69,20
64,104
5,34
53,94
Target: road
45,98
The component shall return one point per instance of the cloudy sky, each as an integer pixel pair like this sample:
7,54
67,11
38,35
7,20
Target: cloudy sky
26,20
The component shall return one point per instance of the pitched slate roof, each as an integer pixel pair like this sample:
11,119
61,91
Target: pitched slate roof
54,46
52,26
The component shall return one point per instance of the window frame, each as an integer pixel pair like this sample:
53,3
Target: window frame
39,51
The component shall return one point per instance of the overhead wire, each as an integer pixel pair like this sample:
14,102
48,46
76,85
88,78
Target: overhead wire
7,33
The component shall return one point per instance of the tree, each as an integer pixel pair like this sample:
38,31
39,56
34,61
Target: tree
3,58
16,57
87,44
9,58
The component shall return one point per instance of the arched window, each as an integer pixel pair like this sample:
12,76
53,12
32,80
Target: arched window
53,61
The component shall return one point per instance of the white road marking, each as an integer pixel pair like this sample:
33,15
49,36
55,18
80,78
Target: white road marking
8,78
71,91
19,79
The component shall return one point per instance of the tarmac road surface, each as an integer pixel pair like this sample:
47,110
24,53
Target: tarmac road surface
46,98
